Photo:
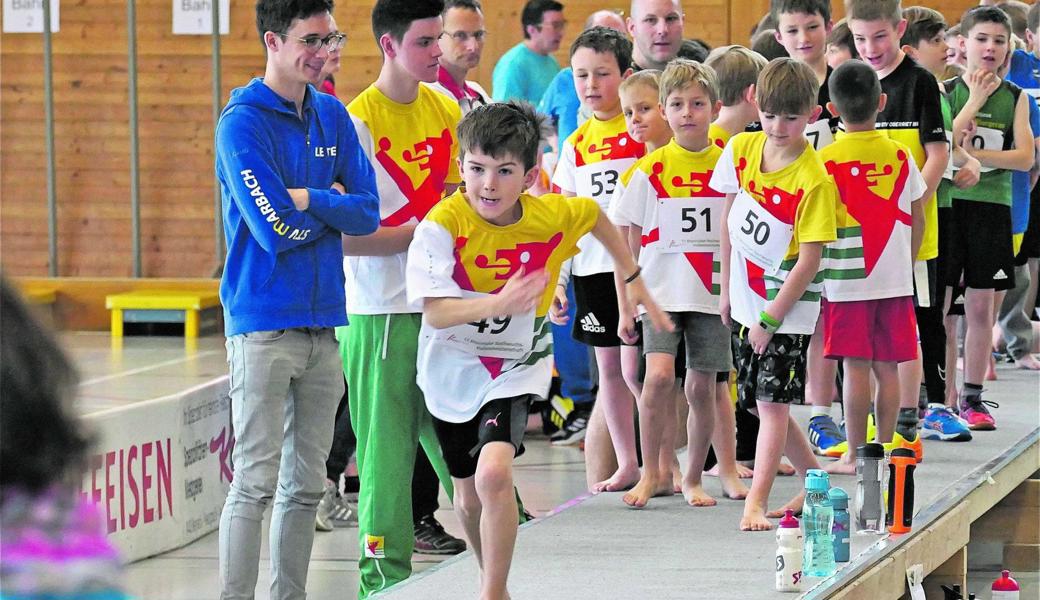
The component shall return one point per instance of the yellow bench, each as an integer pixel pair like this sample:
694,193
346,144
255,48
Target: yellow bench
160,306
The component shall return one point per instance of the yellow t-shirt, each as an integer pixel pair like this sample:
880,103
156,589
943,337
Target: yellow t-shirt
878,182
680,263
457,254
718,136
413,150
591,163
796,203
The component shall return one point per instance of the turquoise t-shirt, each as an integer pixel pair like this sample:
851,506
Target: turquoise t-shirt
523,74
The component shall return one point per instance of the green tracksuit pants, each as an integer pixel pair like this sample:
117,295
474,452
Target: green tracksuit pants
390,418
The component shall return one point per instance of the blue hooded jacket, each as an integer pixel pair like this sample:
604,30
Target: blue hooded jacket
284,267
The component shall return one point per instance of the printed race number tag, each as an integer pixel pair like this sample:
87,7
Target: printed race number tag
508,336
599,180
757,235
689,224
986,138
819,133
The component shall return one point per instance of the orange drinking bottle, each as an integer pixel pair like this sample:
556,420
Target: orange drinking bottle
900,514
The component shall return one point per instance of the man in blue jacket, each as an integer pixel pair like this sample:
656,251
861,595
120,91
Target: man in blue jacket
293,178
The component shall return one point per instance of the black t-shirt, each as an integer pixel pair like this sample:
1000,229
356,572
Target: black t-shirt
913,113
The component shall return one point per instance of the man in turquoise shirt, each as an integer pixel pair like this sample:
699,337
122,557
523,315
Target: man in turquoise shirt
527,69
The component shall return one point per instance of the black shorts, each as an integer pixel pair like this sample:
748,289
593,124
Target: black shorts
1031,240
978,248
596,310
501,420
777,375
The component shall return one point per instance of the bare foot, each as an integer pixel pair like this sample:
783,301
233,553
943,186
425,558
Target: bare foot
742,472
619,481
695,495
842,466
784,469
639,495
733,488
991,368
676,479
794,505
1028,362
754,519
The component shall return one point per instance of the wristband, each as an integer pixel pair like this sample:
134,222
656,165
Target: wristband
633,276
768,323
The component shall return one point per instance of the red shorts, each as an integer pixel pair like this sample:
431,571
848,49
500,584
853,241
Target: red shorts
883,330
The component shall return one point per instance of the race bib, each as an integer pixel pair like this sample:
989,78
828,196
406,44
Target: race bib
986,138
819,133
757,235
598,180
509,336
951,170
689,224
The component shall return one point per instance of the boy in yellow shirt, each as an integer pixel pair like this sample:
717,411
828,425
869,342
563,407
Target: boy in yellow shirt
479,267
779,213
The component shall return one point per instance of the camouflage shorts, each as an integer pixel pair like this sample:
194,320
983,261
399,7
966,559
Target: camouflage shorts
777,375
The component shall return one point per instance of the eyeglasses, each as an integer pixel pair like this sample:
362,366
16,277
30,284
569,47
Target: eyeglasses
556,26
462,37
332,42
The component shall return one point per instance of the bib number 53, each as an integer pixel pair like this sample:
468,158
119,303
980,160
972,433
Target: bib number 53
603,183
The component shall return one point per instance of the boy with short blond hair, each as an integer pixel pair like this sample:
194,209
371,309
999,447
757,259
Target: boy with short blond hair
979,245
592,160
779,212
868,317
737,69
913,116
670,205
480,267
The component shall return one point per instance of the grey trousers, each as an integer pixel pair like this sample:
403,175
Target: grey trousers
285,385
1014,323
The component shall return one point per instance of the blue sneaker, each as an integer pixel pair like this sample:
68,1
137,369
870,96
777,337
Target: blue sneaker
824,434
940,423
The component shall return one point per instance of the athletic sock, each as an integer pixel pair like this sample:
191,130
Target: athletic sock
906,425
970,390
821,411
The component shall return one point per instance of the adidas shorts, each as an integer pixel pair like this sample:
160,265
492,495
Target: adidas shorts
978,250
596,310
500,420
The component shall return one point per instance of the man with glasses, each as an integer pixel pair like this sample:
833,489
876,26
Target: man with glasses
461,45
293,178
526,70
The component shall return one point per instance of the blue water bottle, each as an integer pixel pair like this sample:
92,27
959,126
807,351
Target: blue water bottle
817,523
840,502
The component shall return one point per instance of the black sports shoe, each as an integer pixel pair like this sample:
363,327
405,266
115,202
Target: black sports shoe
430,538
573,428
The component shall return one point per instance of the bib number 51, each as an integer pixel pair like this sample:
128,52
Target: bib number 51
689,219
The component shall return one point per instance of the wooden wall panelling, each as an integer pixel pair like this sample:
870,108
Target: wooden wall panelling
175,123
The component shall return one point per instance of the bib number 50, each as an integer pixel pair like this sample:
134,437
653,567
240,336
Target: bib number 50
755,229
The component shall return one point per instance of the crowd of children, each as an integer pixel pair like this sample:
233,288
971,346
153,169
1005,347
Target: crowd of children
809,224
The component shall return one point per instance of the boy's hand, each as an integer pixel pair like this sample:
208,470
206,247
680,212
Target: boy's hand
725,310
638,294
968,175
300,197
558,309
980,85
626,329
522,292
339,187
758,338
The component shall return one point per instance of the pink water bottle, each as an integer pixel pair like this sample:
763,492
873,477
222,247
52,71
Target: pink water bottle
1005,588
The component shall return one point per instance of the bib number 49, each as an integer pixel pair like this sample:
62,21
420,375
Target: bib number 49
496,326
755,229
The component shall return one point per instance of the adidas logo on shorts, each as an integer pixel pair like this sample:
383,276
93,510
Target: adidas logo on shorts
1000,275
591,324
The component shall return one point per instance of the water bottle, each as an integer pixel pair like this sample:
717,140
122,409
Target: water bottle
1005,588
817,522
840,502
788,554
870,505
901,464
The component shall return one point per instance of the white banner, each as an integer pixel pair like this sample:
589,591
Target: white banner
161,469
195,17
26,16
